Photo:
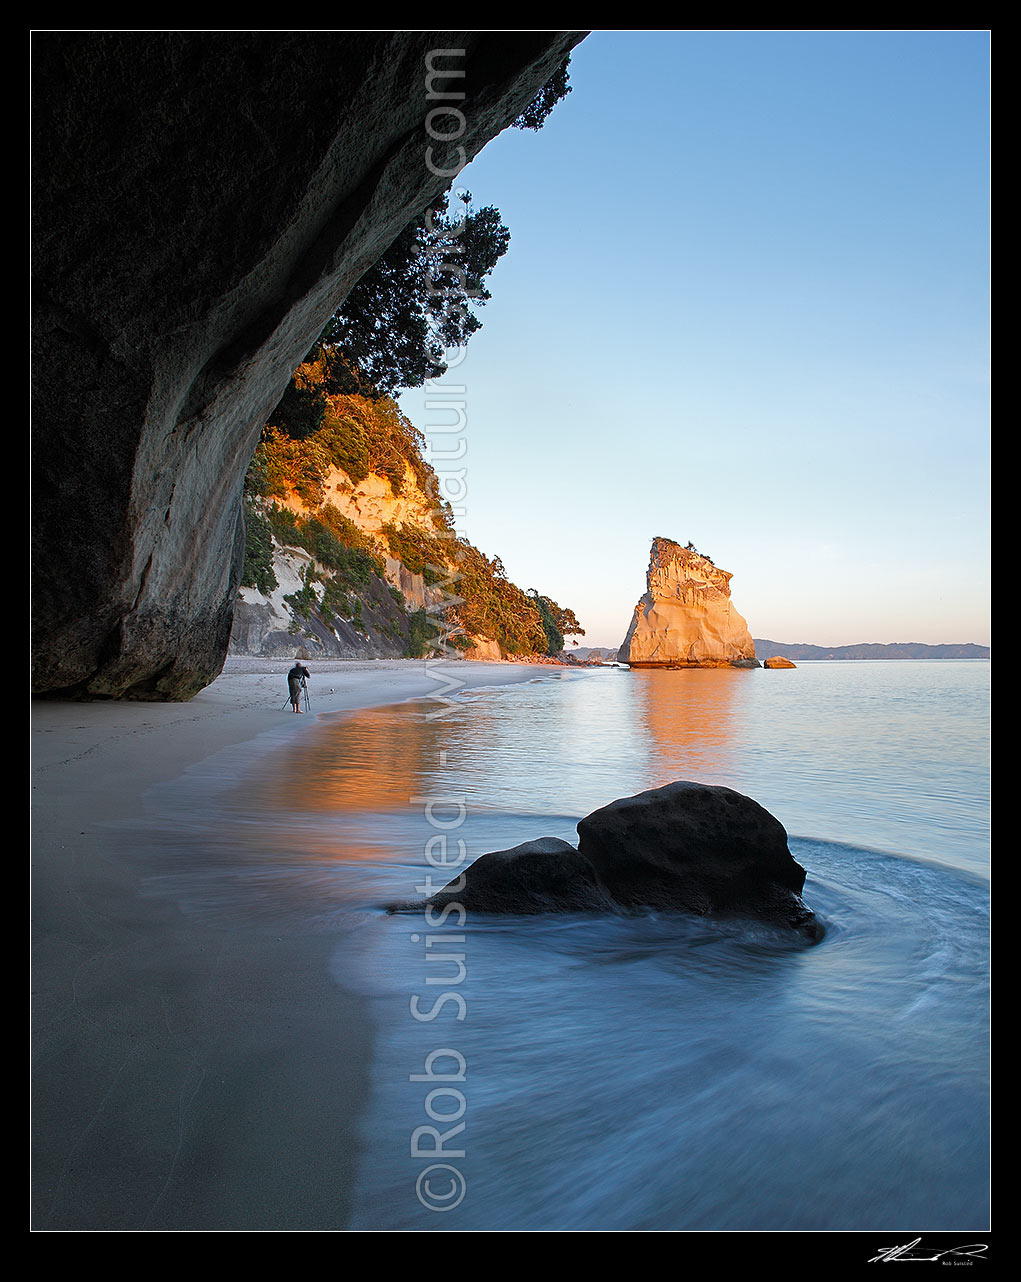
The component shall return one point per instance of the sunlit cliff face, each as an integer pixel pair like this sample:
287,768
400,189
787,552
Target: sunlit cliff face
686,617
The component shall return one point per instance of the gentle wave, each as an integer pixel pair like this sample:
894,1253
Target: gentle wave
646,1071
663,1072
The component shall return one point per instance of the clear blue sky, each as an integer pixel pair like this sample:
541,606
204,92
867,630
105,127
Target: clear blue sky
745,304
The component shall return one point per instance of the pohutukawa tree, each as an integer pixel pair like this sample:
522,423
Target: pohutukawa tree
417,301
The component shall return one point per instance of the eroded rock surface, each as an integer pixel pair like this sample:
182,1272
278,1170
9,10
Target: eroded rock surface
686,619
202,202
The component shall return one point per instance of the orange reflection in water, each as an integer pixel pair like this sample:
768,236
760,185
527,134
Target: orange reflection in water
690,717
566,753
372,760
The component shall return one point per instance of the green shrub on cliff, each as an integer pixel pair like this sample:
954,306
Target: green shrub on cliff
423,630
421,553
305,600
355,434
258,570
283,466
346,443
492,606
353,563
336,604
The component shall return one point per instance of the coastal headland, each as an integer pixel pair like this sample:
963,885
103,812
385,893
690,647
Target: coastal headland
188,1075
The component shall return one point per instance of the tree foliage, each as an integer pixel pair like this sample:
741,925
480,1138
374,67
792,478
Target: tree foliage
555,89
357,435
258,569
490,605
557,622
419,300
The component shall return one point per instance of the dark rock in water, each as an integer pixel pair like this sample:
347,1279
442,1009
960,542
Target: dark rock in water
688,847
542,876
698,849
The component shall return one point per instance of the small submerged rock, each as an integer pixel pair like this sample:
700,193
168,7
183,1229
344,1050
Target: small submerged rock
686,847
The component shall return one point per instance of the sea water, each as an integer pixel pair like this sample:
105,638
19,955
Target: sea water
656,1072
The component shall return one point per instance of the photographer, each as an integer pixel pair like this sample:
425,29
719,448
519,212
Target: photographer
296,679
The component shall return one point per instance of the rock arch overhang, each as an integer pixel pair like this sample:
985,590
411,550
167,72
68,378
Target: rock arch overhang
201,203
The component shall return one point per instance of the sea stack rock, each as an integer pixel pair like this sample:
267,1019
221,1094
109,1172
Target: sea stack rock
777,661
686,618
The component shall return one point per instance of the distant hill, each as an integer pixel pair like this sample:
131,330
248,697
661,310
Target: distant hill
865,650
593,654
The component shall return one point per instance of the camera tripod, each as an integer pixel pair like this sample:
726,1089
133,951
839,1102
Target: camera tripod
303,691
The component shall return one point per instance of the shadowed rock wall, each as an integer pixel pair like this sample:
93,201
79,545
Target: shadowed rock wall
201,204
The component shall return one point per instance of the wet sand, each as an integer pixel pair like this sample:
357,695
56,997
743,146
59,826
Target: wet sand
188,1076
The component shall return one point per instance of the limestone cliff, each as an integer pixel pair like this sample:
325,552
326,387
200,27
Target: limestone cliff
686,618
299,615
351,549
202,203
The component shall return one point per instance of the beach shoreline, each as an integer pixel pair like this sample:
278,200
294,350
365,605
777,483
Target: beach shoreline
189,1076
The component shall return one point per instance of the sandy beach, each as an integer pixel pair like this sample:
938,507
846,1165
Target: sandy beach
188,1076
